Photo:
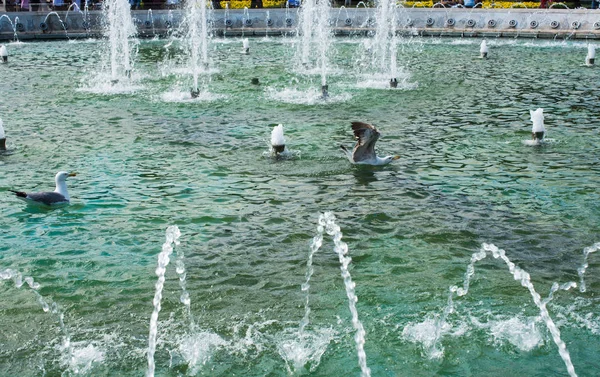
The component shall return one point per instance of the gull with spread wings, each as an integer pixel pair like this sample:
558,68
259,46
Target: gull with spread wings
364,150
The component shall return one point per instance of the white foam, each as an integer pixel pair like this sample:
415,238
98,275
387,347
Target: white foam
82,358
302,351
522,333
277,135
308,97
181,96
483,48
197,349
537,117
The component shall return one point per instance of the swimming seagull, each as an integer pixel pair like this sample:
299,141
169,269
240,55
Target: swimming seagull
59,196
2,137
364,150
277,140
537,131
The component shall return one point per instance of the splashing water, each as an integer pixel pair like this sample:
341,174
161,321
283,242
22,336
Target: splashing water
120,31
172,237
327,220
197,38
315,35
525,280
581,270
520,275
68,358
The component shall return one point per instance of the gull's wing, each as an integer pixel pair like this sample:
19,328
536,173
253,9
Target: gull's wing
366,136
46,198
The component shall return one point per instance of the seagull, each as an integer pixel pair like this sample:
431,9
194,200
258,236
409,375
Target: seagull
364,150
59,196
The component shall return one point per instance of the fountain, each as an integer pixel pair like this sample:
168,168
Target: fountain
4,54
483,50
245,46
51,307
315,40
591,55
172,238
197,39
520,275
581,270
382,50
13,25
2,137
120,32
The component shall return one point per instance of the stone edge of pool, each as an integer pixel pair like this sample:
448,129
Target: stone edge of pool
439,22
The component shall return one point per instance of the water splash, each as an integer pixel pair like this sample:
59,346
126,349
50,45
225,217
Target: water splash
315,245
327,220
68,357
525,280
120,31
315,34
172,237
520,275
581,270
197,39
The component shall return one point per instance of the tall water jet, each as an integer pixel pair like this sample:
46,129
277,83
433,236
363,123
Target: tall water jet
591,55
172,238
315,35
120,32
483,50
196,39
581,270
327,220
385,42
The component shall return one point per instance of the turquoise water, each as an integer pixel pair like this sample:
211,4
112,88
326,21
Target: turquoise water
146,161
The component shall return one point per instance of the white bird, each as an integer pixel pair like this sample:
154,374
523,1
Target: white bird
591,55
277,140
59,196
538,130
3,53
483,49
246,46
2,137
364,150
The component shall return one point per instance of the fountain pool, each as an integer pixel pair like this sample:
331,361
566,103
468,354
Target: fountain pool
247,221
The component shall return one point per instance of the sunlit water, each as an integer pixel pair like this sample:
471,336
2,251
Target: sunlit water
146,160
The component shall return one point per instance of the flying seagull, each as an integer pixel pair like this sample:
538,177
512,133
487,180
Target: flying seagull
364,150
59,196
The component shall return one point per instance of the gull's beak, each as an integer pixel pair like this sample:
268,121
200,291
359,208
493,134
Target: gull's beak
395,157
72,174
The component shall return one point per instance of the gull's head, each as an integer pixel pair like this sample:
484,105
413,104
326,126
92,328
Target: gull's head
389,159
62,176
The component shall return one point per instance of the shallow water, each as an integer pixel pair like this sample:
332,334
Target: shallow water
149,159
